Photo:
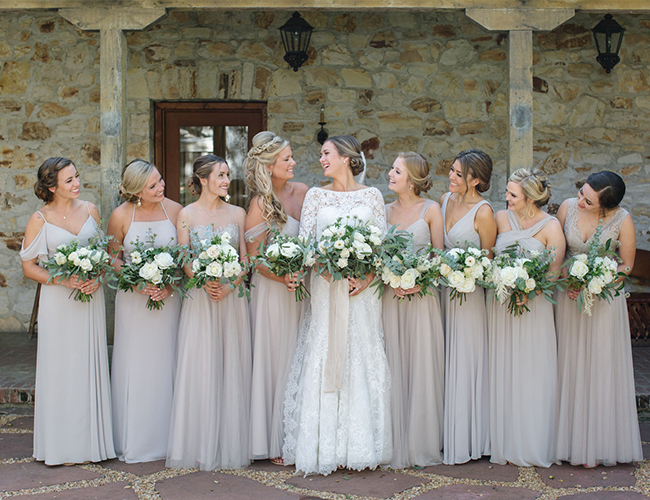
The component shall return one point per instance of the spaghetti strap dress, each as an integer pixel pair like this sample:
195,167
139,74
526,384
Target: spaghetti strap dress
415,348
523,369
275,319
596,416
144,350
466,413
72,411
210,410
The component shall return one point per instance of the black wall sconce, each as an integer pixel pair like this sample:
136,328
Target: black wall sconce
321,137
296,34
608,35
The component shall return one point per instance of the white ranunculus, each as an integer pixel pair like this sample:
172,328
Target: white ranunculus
213,251
157,278
339,244
214,269
341,263
408,278
164,260
273,250
59,258
455,279
578,269
231,269
85,264
445,270
530,285
468,285
196,265
595,286
345,253
508,276
148,271
470,261
309,259
395,281
136,258
73,256
289,249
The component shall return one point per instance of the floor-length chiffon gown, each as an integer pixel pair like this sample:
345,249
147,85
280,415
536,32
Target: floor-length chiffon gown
275,319
466,413
342,419
72,411
210,410
144,353
523,369
415,348
596,416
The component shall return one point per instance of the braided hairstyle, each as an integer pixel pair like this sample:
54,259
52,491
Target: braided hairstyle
265,151
534,185
48,177
418,169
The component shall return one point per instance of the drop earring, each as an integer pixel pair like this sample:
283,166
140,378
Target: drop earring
139,203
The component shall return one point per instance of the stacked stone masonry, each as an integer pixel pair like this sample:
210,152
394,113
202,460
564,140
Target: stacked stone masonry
434,82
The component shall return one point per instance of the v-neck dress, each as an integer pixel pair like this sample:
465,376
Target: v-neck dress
144,352
415,348
72,411
596,418
466,421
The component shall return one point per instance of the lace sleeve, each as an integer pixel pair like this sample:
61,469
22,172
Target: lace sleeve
376,203
308,214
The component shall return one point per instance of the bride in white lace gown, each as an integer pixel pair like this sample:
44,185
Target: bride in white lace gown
339,418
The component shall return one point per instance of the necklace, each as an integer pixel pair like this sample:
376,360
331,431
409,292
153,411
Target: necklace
67,213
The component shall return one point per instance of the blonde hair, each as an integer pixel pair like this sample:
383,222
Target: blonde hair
201,169
134,178
418,169
348,146
265,151
534,185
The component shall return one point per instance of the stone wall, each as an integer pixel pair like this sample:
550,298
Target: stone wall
434,82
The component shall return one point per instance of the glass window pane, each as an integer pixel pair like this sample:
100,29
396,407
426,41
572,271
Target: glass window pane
195,141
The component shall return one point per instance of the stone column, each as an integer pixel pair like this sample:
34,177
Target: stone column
520,24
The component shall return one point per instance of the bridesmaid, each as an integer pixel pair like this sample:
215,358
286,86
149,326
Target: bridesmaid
209,425
144,347
415,344
72,414
468,220
596,419
275,203
523,351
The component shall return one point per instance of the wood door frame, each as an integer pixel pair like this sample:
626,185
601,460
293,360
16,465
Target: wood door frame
169,115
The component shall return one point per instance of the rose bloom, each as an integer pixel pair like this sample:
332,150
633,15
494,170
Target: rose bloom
468,285
455,279
595,286
148,271
86,265
214,269
395,281
196,265
408,278
157,278
342,263
445,270
73,256
309,259
289,249
231,269
273,250
530,285
345,253
164,260
508,276
213,251
578,269
59,258
82,252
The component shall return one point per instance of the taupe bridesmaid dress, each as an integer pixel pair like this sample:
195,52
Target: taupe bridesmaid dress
596,418
144,353
72,412
466,430
275,315
415,348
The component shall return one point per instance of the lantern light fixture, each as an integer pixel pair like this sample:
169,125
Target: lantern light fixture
296,34
608,35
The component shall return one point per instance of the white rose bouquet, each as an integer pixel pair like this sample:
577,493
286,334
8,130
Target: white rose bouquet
217,260
288,255
462,270
151,266
86,262
348,248
595,273
519,273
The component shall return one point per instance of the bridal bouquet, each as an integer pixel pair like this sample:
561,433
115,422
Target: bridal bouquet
594,274
86,262
217,260
519,273
288,255
461,270
151,266
347,247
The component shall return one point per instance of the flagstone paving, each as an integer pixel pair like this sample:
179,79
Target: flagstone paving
21,476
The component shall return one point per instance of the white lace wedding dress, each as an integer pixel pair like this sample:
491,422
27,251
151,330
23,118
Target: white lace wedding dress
349,426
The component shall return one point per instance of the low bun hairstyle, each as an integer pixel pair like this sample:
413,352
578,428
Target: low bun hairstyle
48,177
478,164
610,188
534,184
134,179
348,146
201,169
418,169
265,151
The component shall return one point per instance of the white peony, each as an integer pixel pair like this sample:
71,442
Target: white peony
508,276
214,269
578,269
455,279
408,278
59,258
136,258
342,263
595,286
607,277
468,285
85,264
213,251
148,271
196,265
273,251
530,285
164,260
289,249
445,270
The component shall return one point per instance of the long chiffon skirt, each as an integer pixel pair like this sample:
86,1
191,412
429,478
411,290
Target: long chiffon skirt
415,351
209,423
596,418
523,382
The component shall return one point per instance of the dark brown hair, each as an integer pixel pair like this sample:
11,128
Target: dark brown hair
48,176
478,164
202,168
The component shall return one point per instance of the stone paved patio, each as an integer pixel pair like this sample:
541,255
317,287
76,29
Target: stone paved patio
21,476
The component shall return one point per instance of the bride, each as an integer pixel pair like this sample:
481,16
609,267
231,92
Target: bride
337,405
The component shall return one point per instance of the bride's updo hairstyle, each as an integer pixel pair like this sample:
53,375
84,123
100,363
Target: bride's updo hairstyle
348,146
134,178
610,188
202,168
418,169
534,185
265,151
478,164
48,176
